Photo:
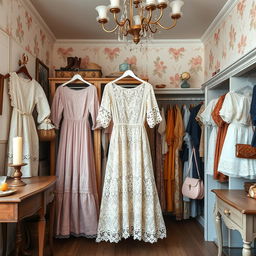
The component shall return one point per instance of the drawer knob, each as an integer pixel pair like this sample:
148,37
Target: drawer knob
227,212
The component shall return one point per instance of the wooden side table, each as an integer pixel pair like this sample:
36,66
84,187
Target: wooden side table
238,212
27,201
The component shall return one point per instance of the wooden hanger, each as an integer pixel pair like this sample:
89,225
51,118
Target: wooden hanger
23,69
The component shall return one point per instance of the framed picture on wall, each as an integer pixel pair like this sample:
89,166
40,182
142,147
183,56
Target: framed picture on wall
42,76
1,93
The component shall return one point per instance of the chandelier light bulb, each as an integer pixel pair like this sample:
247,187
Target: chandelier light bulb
162,1
150,2
137,20
114,3
176,7
102,12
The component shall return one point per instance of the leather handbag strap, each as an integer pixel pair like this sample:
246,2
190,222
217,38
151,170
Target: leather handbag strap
191,164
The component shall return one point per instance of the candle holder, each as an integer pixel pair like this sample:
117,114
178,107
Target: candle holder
17,182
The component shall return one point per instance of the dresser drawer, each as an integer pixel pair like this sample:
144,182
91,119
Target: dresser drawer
229,213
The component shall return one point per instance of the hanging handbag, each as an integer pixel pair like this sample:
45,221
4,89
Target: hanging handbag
193,188
245,151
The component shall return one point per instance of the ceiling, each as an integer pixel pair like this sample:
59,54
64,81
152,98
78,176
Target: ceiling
76,19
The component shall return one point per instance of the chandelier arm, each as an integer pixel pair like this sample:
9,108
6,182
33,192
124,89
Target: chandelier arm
119,23
159,18
109,31
148,20
167,28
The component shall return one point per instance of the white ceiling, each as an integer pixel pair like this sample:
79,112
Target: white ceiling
76,19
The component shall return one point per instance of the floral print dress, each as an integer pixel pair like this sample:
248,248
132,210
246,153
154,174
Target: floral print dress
130,204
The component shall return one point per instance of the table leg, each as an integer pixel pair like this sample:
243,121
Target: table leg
52,216
4,233
41,234
18,245
218,231
247,249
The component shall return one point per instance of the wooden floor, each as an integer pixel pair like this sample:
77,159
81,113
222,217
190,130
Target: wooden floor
185,238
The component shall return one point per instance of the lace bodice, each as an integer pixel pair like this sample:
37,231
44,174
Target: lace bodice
129,106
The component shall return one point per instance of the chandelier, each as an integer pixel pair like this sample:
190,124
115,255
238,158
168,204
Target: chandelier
137,17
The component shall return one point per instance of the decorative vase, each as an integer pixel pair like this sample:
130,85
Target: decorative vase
124,66
185,84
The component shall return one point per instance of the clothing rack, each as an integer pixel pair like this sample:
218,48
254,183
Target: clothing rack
180,99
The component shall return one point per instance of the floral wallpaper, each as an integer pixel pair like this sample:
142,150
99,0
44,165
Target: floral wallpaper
22,26
161,63
233,38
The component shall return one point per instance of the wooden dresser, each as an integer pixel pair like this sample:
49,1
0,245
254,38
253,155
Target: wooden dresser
238,212
27,201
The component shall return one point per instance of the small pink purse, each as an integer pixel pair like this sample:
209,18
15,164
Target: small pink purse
193,188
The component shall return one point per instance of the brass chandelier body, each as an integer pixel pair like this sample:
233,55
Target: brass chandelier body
145,22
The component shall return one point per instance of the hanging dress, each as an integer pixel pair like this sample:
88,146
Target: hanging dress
169,163
221,135
130,204
206,119
161,150
25,95
77,204
236,111
178,137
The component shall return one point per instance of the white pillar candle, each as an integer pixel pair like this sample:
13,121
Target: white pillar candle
137,20
176,6
114,3
17,150
150,2
102,11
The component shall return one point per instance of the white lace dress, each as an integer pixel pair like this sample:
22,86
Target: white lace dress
206,119
26,95
130,204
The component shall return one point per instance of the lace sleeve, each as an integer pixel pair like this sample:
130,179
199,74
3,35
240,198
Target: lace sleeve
153,113
104,115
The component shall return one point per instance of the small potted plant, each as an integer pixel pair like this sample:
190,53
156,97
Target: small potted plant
185,76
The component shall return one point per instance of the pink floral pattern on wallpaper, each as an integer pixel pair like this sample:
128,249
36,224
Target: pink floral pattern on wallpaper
232,37
28,20
65,52
19,30
175,80
196,64
224,52
42,36
242,44
132,61
217,66
112,53
85,61
217,37
159,67
36,46
240,8
177,53
211,60
253,16
28,49
47,58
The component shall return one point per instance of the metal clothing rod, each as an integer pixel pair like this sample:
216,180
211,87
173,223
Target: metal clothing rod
180,99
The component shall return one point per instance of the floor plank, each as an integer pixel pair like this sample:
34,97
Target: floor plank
184,238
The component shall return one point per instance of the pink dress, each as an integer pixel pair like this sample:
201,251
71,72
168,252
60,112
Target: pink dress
77,202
